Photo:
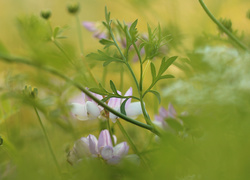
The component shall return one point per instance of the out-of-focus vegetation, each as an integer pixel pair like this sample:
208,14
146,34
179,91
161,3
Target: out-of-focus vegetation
210,91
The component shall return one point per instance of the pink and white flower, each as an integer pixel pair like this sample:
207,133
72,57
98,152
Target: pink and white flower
160,120
132,109
84,108
101,147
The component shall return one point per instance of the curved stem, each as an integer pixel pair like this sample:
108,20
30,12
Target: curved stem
47,140
62,50
230,35
79,34
10,59
131,142
141,66
144,111
117,46
133,75
110,132
121,78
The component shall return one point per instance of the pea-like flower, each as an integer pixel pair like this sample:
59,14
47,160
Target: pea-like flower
100,148
99,30
160,120
132,109
84,108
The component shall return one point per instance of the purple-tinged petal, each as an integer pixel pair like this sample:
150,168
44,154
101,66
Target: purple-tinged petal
104,139
128,93
79,98
92,110
114,160
93,144
100,35
133,110
161,124
171,111
159,118
163,112
91,26
115,102
121,149
107,152
79,111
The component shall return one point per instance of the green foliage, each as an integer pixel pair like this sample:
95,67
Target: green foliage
57,33
153,42
209,140
227,23
102,56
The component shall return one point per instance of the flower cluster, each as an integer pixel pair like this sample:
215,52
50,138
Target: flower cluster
100,148
84,108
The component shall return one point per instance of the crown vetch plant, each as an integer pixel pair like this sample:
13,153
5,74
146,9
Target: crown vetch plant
207,141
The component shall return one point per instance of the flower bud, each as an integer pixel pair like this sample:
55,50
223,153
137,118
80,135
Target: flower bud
73,8
45,14
30,91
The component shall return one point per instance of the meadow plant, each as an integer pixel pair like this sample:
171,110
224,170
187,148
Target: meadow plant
208,140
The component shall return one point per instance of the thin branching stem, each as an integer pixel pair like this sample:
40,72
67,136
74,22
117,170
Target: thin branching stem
226,31
79,32
110,131
48,141
144,111
132,145
11,59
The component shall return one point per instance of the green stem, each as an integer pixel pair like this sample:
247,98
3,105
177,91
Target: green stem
62,50
150,87
117,46
50,27
48,142
79,34
10,59
133,75
144,111
110,132
121,78
123,57
130,142
57,44
104,75
141,66
230,35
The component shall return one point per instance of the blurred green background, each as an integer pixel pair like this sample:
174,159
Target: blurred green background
217,144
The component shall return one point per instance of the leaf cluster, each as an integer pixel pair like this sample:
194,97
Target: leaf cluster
165,63
102,56
57,32
153,42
